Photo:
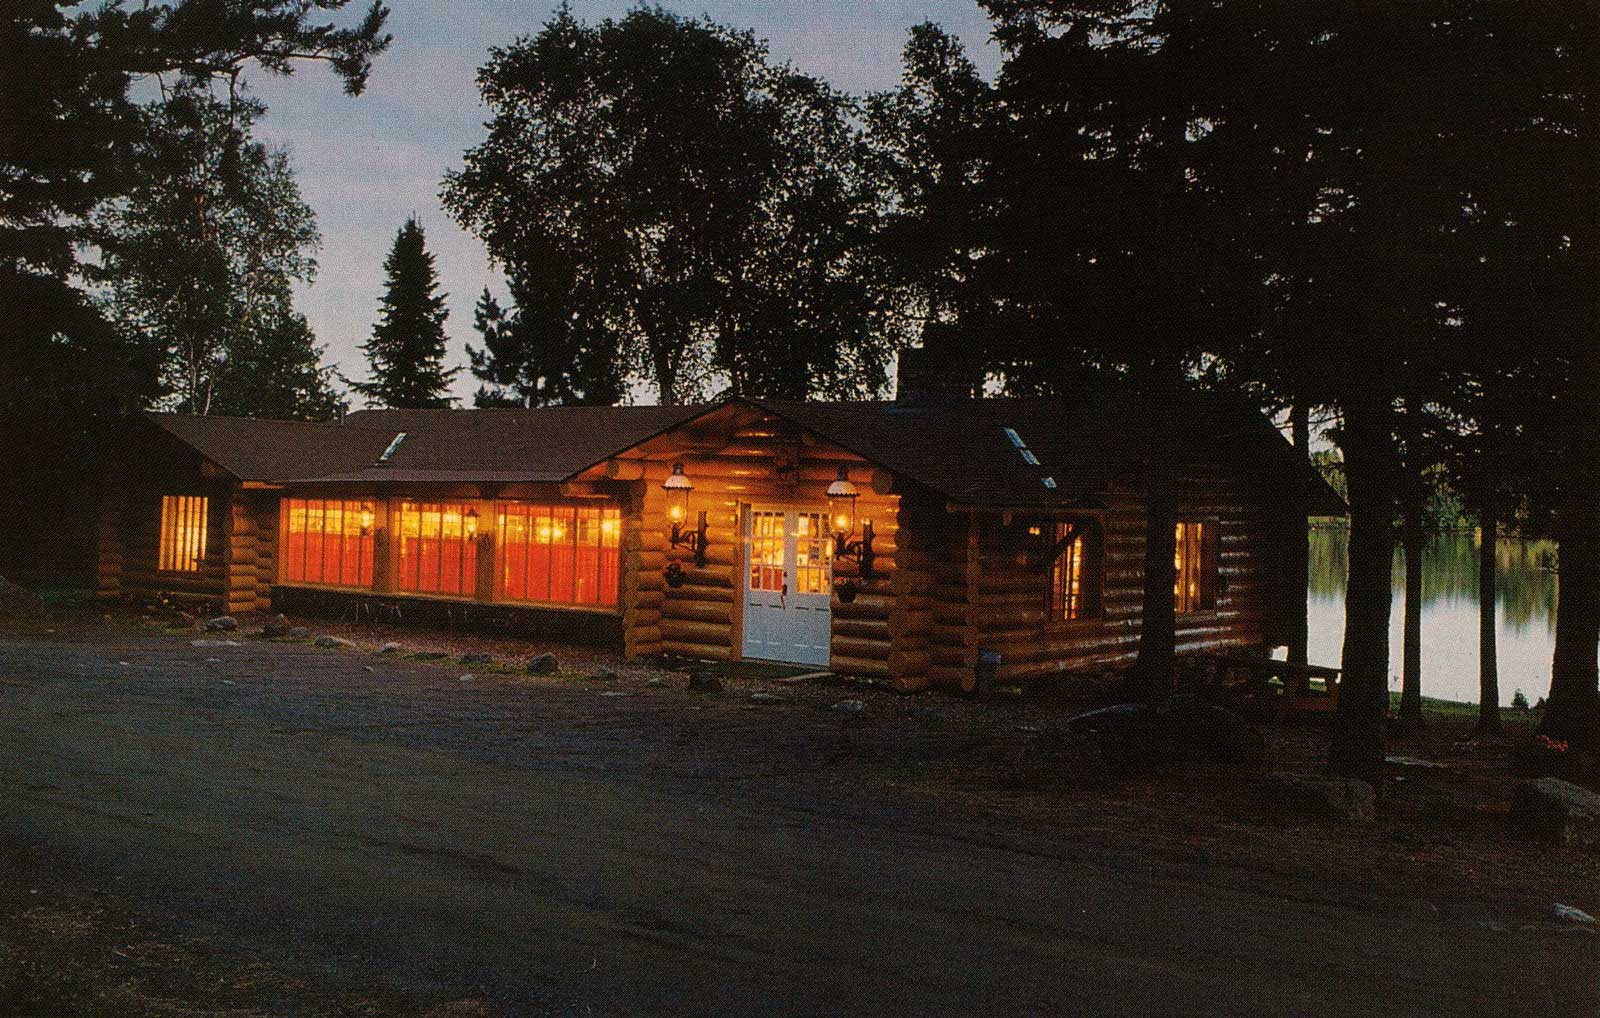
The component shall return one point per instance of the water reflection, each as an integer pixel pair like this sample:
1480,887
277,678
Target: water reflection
1525,613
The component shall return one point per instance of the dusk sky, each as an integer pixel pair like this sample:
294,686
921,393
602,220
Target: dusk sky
365,164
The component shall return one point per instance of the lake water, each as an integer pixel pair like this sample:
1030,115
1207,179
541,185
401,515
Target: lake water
1525,613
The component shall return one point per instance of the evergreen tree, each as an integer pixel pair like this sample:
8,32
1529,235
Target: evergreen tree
406,351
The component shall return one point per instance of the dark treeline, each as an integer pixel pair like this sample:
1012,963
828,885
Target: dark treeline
1382,216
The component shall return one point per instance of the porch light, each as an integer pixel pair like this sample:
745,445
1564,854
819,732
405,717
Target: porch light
471,522
842,497
677,487
366,522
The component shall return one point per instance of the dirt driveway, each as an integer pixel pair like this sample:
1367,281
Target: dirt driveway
379,827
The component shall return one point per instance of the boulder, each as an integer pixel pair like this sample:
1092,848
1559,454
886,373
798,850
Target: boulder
543,664
222,624
605,675
1056,757
278,626
1321,795
475,659
655,682
704,682
332,641
390,648
299,633
18,602
1557,810
1182,728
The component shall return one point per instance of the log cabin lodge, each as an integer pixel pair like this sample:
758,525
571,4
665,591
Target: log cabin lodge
895,539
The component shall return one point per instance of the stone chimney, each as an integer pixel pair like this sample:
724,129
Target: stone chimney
922,376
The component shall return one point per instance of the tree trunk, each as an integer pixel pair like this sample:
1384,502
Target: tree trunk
1356,747
1573,709
1411,647
1297,581
1153,670
1488,666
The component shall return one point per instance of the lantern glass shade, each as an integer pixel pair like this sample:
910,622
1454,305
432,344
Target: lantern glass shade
842,497
471,521
677,488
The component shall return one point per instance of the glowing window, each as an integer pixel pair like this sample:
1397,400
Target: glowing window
1194,563
558,553
438,548
327,541
1075,575
183,533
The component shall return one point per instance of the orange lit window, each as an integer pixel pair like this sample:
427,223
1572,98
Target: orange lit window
1194,562
1075,574
327,541
183,533
558,553
438,548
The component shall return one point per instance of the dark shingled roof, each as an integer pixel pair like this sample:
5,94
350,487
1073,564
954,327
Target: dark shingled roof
264,450
960,449
504,445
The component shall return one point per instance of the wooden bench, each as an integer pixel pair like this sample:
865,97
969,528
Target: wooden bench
1294,692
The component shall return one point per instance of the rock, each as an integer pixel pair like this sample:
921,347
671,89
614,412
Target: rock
655,682
704,682
1056,757
1181,728
849,706
1572,915
1338,798
475,659
279,626
390,648
467,678
615,692
215,643
1557,810
213,660
543,664
332,641
299,632
222,624
769,698
605,675
1412,761
18,602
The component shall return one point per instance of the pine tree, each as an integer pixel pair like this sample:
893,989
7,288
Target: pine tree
406,352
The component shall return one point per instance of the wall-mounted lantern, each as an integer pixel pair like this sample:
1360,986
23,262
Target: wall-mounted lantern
842,497
366,522
677,488
470,521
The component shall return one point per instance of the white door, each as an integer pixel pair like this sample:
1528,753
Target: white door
788,585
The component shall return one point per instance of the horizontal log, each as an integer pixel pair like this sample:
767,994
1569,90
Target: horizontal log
698,611
638,617
869,629
865,606
642,635
703,652
903,663
689,631
959,680
855,647
859,666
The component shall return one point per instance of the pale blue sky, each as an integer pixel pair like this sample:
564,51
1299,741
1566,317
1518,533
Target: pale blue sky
366,164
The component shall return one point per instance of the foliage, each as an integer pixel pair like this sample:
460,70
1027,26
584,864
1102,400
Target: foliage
668,205
66,76
929,147
406,351
201,257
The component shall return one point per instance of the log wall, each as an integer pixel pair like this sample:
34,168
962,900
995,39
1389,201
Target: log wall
761,465
134,560
1011,601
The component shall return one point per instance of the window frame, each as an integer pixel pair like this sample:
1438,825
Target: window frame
1092,576
535,510
367,546
167,537
1210,574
